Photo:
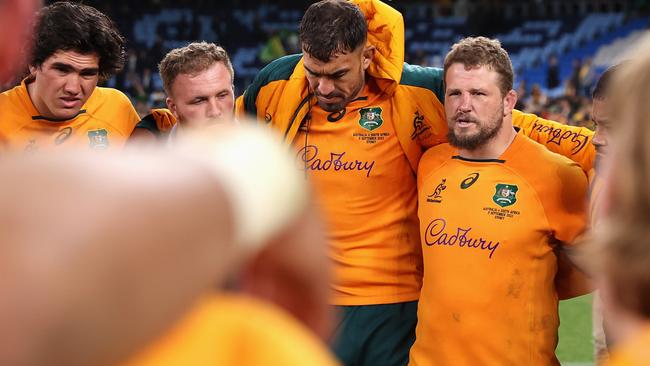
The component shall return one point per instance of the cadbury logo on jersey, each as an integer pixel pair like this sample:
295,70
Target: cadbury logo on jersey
436,235
557,136
309,158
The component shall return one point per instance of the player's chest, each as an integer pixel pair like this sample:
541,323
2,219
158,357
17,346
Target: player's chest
78,134
489,198
483,213
359,141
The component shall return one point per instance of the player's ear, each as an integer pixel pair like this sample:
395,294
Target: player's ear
367,55
172,106
509,102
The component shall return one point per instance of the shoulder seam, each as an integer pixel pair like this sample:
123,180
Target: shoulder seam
124,100
441,161
533,187
430,78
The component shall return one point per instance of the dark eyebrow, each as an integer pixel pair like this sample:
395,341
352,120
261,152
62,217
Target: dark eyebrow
68,67
334,74
340,72
312,72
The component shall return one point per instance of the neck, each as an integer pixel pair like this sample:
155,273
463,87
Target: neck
35,101
360,90
495,147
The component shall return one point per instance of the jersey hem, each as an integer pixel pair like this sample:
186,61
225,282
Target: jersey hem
350,300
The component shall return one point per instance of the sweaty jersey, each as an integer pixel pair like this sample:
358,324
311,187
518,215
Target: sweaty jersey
105,121
570,141
235,330
360,182
365,186
362,160
488,228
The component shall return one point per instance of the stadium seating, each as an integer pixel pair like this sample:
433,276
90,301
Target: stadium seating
428,37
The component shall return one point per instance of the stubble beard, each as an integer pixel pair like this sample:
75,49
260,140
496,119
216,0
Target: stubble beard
474,141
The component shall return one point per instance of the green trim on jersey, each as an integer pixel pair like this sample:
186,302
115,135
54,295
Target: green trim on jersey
424,77
149,123
280,69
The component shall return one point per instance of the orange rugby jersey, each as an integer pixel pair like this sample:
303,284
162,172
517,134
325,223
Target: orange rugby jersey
487,230
367,190
224,330
104,122
571,141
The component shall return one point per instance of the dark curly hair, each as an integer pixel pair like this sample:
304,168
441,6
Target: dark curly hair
65,26
332,26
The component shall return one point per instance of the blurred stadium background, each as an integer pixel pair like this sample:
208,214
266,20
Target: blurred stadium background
558,48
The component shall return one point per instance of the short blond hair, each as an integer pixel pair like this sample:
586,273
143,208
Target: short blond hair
482,51
191,59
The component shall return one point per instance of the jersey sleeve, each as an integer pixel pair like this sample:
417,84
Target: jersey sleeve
566,210
570,141
119,106
424,86
157,122
133,116
240,109
431,160
565,202
164,119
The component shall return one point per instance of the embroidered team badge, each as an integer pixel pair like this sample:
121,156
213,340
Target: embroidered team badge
370,118
506,195
98,139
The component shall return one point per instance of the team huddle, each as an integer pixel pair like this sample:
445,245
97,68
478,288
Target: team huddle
393,213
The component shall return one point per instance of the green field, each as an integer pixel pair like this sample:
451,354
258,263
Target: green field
575,346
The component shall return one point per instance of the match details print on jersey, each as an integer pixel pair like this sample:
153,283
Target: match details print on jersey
488,230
